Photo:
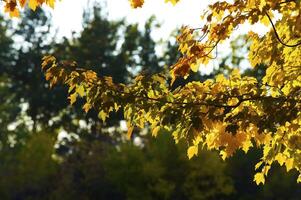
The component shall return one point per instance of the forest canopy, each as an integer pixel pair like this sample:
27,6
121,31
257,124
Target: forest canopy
228,113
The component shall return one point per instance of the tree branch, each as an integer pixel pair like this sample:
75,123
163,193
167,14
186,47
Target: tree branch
277,35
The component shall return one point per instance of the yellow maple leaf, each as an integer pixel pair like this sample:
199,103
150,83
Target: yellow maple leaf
155,131
258,165
289,164
195,66
136,3
72,98
247,145
14,13
22,3
265,21
259,178
174,2
33,4
252,3
80,90
102,115
233,101
11,8
50,3
223,154
130,131
280,158
87,107
192,151
299,179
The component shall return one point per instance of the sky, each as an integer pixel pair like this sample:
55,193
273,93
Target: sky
67,14
67,17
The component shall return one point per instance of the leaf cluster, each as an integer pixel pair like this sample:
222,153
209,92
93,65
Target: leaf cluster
226,113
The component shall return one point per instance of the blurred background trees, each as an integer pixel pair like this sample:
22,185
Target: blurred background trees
49,150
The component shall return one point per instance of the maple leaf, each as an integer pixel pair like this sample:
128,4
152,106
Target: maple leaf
155,131
259,178
80,90
72,98
23,3
192,151
174,2
228,113
102,115
130,131
136,3
33,4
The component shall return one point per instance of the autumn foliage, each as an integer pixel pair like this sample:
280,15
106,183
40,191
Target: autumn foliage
13,6
227,114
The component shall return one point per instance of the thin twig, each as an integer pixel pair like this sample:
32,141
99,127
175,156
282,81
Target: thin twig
277,35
